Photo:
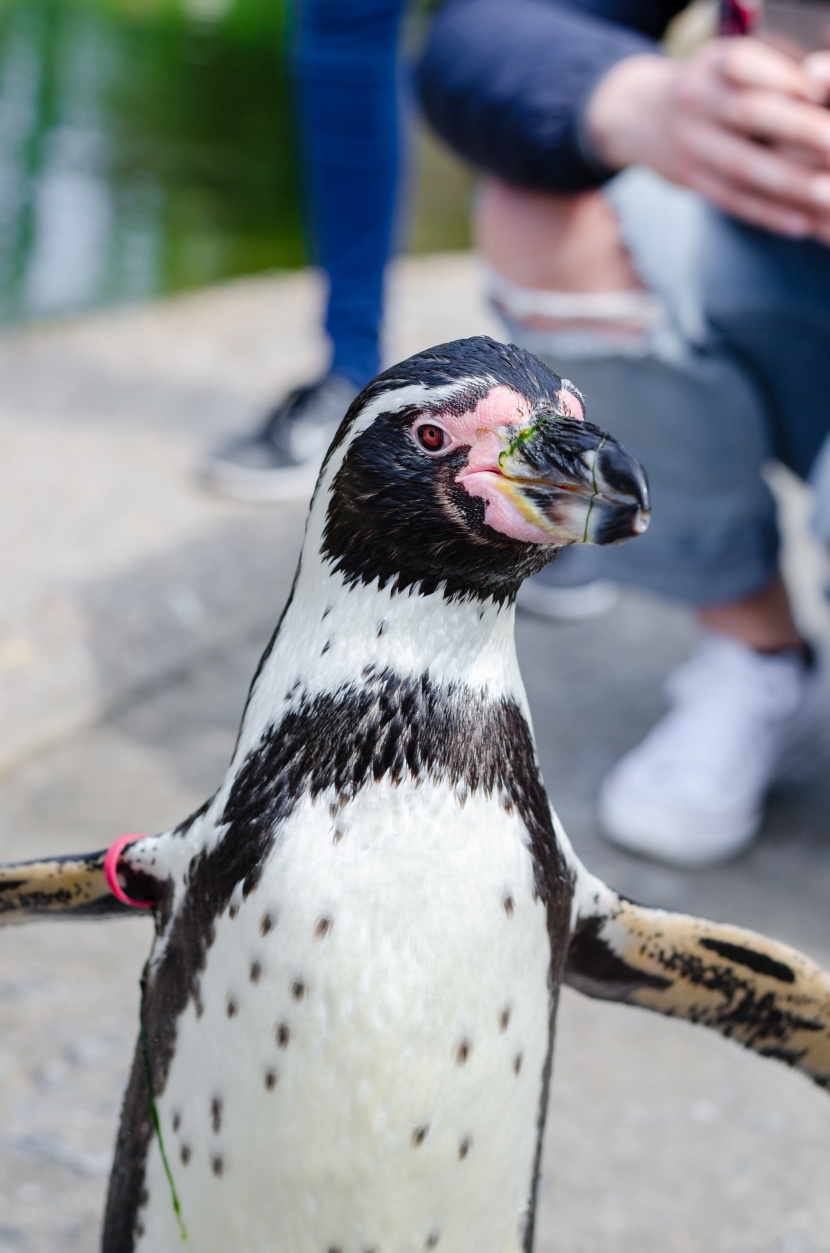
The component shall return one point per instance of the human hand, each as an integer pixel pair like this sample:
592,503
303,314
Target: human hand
737,121
817,68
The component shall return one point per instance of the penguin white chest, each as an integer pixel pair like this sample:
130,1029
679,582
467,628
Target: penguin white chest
366,1067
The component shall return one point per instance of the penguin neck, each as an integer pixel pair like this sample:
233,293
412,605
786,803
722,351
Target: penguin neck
335,635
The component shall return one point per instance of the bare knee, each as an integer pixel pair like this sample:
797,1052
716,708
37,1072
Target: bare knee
562,243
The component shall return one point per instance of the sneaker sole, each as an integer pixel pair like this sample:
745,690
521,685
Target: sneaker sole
625,828
261,487
568,604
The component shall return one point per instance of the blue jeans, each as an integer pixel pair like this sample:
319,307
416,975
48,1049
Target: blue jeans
345,58
738,373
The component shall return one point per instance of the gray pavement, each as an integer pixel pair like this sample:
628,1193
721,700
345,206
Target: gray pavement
660,1137
116,569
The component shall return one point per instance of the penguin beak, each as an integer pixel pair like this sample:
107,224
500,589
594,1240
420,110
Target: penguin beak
575,482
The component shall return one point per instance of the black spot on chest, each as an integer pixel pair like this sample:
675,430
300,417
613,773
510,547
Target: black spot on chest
386,727
390,727
462,1052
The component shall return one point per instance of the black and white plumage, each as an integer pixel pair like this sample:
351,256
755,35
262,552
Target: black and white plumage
347,1016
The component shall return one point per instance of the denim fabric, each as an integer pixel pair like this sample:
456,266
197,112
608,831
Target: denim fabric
738,373
769,299
504,82
820,482
345,60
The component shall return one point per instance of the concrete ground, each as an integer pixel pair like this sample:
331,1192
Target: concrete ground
134,608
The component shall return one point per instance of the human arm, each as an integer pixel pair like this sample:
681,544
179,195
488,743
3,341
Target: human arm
504,83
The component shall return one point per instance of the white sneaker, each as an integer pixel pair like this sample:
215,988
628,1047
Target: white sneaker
692,793
567,589
567,604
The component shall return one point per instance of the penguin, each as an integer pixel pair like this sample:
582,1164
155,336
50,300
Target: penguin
347,1016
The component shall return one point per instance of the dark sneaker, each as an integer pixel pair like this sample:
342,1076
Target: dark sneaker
282,459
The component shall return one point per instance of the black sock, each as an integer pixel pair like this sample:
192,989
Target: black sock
804,652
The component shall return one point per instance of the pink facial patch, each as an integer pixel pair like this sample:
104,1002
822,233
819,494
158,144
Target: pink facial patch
505,509
476,429
568,402
487,430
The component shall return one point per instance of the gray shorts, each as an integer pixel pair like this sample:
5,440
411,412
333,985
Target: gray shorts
736,373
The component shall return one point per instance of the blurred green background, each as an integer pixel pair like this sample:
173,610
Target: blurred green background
146,148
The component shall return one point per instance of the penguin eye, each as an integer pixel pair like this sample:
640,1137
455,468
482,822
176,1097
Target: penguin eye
431,437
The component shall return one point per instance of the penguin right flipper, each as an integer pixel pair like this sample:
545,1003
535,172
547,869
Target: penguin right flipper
757,991
60,887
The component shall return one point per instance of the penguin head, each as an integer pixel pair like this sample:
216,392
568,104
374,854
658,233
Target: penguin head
465,468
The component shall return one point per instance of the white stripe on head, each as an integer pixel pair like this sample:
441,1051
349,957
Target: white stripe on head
332,630
419,395
391,401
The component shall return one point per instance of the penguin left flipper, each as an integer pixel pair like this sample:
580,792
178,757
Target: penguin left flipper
757,991
71,887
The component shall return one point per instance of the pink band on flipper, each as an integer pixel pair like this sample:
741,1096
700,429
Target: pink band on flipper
111,867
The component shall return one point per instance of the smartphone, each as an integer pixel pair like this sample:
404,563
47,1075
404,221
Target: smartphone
739,17
795,26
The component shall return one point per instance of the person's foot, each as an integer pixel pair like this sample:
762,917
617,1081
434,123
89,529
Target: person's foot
568,589
282,458
566,604
692,793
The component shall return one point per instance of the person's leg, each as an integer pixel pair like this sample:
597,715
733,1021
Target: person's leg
687,405
820,482
764,621
345,66
767,298
686,409
539,241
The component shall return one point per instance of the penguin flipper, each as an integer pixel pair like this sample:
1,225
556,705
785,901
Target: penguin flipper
761,993
57,887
